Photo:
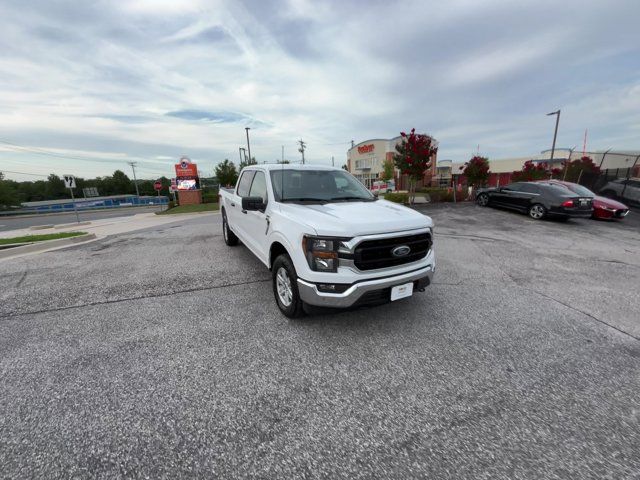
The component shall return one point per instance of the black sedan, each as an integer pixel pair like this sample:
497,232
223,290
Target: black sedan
538,200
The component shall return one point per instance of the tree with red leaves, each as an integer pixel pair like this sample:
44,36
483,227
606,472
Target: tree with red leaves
531,172
476,171
413,157
576,168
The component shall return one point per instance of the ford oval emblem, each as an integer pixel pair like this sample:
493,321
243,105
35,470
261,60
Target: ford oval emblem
401,251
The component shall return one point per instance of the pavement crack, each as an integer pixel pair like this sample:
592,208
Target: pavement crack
128,299
587,314
22,278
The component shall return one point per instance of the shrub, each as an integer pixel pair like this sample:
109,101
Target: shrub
209,198
397,197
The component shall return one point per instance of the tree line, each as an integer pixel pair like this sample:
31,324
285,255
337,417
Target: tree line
13,193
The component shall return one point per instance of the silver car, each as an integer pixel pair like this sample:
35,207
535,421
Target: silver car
626,189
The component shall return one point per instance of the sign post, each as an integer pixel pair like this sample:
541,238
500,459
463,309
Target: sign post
70,183
158,186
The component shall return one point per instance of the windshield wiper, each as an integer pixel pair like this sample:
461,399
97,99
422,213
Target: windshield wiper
304,199
352,198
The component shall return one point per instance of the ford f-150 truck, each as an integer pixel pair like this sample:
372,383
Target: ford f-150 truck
328,241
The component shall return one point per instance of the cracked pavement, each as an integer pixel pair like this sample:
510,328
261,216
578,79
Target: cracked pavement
161,354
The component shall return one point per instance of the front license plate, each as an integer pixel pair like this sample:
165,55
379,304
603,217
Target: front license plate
401,291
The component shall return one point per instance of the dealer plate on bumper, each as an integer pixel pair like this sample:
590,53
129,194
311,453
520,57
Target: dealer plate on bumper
401,291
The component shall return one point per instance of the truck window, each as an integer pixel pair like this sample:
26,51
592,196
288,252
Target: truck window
245,183
259,187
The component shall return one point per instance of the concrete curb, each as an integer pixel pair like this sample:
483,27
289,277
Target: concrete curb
46,245
68,225
40,227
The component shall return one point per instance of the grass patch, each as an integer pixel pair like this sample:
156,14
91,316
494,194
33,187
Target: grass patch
203,207
39,238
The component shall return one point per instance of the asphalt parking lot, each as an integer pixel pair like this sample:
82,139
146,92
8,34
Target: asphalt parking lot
161,354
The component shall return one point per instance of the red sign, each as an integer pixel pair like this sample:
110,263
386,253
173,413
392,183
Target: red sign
186,169
158,185
366,148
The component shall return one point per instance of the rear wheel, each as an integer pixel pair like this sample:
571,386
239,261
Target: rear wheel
229,237
537,211
483,200
285,287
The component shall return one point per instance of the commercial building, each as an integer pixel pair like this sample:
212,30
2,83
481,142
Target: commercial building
612,163
366,160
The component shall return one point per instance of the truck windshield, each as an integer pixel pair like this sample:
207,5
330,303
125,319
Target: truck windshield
322,186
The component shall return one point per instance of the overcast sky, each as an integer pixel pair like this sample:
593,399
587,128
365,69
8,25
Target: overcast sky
101,83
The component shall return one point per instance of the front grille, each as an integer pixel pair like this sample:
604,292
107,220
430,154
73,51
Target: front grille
372,254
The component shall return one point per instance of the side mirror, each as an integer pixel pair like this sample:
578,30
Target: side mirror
376,194
252,203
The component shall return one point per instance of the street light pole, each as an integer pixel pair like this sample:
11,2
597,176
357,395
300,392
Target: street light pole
248,146
555,133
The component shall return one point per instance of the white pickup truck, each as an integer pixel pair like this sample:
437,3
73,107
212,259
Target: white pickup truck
327,240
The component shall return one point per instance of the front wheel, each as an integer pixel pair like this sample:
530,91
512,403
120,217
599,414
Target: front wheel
285,287
230,238
537,211
483,200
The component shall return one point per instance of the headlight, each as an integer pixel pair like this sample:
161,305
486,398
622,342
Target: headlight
321,253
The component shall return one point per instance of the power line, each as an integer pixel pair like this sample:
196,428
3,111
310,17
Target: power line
25,173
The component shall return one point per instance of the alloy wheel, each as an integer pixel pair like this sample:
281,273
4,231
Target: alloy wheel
283,286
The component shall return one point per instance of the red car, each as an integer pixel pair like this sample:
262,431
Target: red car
603,207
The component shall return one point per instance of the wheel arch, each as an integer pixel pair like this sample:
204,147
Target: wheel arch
275,250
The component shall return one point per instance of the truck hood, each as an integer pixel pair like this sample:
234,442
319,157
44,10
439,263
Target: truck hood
350,219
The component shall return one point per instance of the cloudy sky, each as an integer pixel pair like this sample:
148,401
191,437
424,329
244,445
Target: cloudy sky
87,86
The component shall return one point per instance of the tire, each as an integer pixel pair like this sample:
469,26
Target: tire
537,211
229,237
285,287
483,200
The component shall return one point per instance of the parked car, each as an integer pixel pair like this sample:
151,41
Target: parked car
537,200
603,207
624,189
383,187
327,240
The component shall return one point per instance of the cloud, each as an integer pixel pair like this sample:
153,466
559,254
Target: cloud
154,79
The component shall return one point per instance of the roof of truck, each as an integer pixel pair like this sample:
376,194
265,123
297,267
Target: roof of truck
290,166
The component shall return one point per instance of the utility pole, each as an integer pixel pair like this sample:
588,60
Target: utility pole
555,134
240,152
333,164
282,158
135,180
352,143
248,146
301,149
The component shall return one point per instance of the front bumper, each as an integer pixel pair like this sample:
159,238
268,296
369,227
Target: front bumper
361,290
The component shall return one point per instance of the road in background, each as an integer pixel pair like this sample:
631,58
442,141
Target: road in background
25,221
161,353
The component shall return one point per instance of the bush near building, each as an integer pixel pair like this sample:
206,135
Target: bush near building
397,197
476,171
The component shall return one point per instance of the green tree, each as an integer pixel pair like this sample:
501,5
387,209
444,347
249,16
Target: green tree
387,170
121,183
55,188
8,193
226,173
413,157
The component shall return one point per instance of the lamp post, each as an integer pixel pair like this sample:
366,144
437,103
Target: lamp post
555,133
248,146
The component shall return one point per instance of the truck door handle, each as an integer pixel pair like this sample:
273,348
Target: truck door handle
233,204
244,211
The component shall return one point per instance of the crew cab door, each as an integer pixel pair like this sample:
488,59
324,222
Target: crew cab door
237,220
256,222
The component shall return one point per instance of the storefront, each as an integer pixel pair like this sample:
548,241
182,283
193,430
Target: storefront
365,161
